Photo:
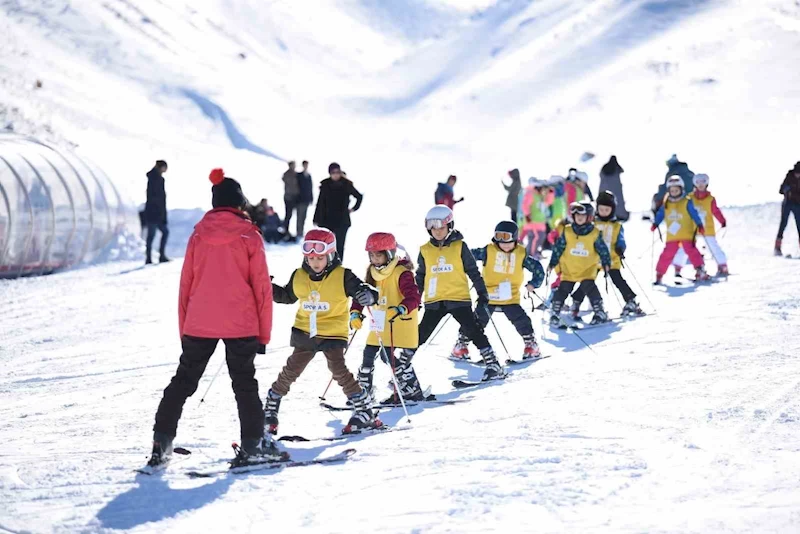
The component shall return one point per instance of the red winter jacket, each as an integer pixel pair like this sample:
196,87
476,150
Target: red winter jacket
225,285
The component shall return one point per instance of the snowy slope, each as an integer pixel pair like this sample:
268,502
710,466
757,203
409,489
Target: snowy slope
686,421
410,90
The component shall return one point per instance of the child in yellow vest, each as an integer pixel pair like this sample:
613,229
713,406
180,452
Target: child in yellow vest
323,288
443,265
577,252
393,320
706,206
504,265
614,235
683,223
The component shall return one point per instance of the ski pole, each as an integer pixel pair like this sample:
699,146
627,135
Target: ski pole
573,330
653,255
615,290
640,285
203,398
322,397
508,355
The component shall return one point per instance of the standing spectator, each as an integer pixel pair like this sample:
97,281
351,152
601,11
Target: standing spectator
305,197
513,193
291,194
155,211
444,193
790,189
611,180
333,205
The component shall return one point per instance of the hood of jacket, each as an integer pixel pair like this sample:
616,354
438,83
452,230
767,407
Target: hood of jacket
223,225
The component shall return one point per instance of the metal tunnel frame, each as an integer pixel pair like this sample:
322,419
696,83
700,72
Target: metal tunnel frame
57,210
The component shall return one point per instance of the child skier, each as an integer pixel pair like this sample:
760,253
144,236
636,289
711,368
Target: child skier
504,264
614,235
443,265
323,287
394,318
535,210
683,222
224,294
577,252
706,206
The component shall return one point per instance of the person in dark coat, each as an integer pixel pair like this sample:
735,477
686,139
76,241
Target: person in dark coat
513,192
305,197
155,211
790,189
291,194
611,180
445,195
333,204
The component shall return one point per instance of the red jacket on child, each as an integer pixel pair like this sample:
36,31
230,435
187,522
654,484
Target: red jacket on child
225,289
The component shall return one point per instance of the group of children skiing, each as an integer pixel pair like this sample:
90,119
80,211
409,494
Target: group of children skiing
225,272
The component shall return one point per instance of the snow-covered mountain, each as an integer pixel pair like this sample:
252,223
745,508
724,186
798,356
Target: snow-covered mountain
418,88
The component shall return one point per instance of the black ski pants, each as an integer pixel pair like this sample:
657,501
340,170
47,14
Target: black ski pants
464,316
788,207
240,354
514,313
587,287
151,236
619,281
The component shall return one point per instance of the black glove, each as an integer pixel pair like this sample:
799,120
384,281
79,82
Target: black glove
262,349
620,251
365,297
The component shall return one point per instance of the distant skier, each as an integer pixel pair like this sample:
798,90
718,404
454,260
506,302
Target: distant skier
322,287
577,252
225,293
706,206
443,266
155,211
611,180
445,195
395,317
535,210
333,205
514,189
614,235
504,266
683,223
790,189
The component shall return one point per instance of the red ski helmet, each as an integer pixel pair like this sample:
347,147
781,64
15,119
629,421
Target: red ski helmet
382,242
319,242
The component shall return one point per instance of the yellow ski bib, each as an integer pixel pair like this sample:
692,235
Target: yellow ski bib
703,207
610,231
580,260
680,226
404,332
323,306
445,278
504,274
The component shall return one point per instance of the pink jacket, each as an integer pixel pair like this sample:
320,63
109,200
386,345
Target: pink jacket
225,289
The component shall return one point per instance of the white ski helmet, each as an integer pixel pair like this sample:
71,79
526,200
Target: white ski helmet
700,179
439,216
676,181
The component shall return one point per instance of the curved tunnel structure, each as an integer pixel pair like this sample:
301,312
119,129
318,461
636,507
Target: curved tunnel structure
57,210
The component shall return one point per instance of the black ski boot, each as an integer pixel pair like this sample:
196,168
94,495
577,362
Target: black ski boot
363,417
271,407
600,316
255,451
493,371
632,308
162,449
365,381
555,318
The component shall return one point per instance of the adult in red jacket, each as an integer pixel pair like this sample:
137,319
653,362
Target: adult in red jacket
225,293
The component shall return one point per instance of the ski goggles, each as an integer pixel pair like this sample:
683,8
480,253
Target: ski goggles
430,224
578,209
317,247
504,237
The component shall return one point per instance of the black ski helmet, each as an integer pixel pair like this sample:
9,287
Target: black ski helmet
607,198
507,227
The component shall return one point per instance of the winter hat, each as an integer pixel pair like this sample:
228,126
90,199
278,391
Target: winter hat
607,198
226,192
334,167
